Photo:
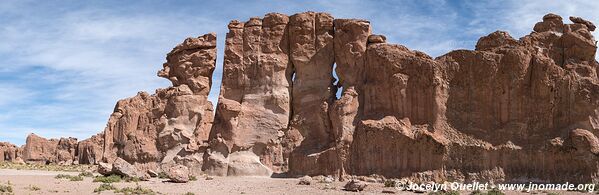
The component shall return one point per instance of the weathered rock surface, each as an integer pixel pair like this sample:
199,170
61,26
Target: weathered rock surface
123,168
255,100
403,113
510,110
178,174
41,150
312,54
172,125
90,150
9,152
105,168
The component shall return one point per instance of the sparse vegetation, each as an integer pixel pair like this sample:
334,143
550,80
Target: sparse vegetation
108,179
6,188
44,167
137,190
86,174
104,187
193,178
33,188
476,192
390,183
493,191
132,179
445,193
189,193
69,177
162,175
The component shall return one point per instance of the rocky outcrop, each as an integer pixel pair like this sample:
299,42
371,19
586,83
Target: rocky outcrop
90,150
312,55
403,113
510,110
41,150
9,152
255,100
172,125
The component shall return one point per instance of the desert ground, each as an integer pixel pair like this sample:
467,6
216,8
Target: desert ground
46,182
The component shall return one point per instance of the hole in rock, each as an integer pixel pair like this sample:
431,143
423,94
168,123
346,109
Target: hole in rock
336,82
293,77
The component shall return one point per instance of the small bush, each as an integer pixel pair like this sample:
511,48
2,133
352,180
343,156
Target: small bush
389,183
192,178
76,178
69,177
5,188
86,174
162,175
445,193
132,179
104,187
189,193
137,190
495,191
33,188
477,192
108,179
62,176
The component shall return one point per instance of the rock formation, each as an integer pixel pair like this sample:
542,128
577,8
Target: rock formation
467,115
255,100
172,125
41,150
90,150
510,110
9,152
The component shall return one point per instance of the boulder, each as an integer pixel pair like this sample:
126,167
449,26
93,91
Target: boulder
178,174
105,169
305,180
355,186
125,169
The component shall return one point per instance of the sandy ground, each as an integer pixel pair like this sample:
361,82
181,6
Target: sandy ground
21,181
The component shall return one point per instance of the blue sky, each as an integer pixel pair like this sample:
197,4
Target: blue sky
64,64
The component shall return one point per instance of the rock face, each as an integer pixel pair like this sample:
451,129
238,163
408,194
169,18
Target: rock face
508,111
9,152
90,150
467,115
40,150
172,125
255,100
